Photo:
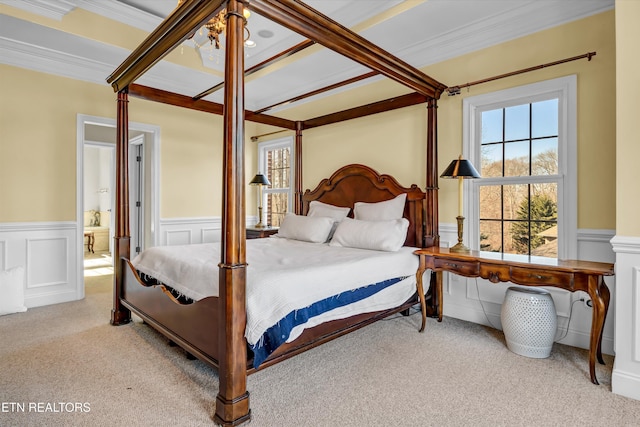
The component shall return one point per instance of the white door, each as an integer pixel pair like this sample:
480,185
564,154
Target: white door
136,193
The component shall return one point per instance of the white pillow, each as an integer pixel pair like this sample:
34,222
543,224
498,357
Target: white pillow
323,209
306,228
377,235
12,291
317,208
380,211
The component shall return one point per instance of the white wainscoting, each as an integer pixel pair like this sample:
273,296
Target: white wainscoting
48,251
480,301
625,379
186,231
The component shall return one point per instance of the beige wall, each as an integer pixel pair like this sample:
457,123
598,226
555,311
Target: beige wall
38,148
38,125
391,143
628,94
38,116
394,142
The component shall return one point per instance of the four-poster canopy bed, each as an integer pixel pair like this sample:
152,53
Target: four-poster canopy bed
222,341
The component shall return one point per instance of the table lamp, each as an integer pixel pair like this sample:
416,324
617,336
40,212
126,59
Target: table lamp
260,180
461,169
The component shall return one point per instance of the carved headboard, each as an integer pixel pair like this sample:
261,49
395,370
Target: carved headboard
359,183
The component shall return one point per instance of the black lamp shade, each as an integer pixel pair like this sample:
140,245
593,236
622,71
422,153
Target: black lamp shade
460,168
260,179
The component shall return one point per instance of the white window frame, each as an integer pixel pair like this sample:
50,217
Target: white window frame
263,148
563,88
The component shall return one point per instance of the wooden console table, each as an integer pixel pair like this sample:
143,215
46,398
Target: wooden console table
523,270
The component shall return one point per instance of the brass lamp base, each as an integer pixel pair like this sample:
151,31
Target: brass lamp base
259,224
460,247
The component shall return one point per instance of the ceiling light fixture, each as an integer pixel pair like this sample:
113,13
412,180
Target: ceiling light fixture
217,26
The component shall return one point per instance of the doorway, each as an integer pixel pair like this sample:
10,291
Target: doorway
96,142
98,201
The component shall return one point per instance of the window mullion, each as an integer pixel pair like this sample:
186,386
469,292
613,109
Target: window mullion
511,191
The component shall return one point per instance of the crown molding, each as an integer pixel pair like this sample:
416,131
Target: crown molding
71,56
512,24
54,9
48,61
112,9
121,12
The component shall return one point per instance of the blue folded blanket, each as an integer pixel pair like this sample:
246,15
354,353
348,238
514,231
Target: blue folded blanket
278,334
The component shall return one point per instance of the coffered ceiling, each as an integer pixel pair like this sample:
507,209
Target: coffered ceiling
44,35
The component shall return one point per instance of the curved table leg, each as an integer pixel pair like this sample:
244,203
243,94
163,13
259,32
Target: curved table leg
419,285
599,294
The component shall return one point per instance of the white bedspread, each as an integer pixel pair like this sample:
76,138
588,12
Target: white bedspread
283,275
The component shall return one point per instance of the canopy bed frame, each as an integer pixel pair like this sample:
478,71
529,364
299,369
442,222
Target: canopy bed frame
227,312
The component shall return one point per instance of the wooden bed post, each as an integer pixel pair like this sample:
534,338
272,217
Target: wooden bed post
432,234
297,170
119,314
232,402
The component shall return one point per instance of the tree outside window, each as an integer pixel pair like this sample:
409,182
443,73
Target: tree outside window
519,156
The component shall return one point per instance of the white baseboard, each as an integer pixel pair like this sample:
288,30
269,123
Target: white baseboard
625,383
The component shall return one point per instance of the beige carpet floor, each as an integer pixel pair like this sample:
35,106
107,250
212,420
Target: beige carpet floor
64,365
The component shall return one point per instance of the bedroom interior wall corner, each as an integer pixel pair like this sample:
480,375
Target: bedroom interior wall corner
625,379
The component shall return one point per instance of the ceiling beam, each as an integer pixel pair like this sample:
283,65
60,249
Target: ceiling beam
310,23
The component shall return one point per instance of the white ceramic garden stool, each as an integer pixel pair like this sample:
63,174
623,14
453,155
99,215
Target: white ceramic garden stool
529,321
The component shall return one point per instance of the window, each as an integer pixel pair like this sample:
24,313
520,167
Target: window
522,141
274,161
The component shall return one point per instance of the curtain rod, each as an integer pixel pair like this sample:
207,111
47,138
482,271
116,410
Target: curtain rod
255,138
455,90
